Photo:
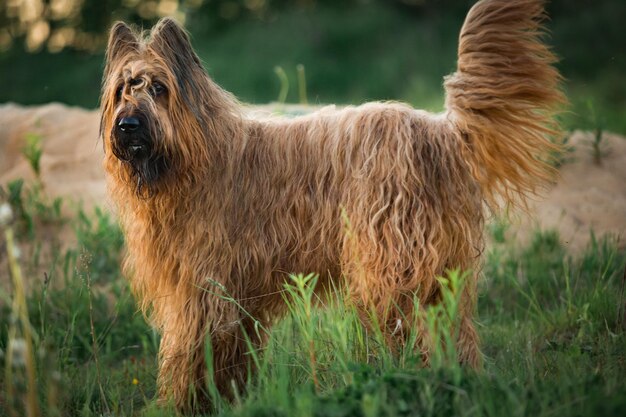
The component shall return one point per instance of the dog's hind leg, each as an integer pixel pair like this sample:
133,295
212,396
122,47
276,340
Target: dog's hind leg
467,345
393,298
375,288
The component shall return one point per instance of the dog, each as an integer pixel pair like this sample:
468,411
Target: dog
379,199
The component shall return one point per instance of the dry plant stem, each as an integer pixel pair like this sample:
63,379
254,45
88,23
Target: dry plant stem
95,347
302,84
20,310
312,357
284,84
621,308
313,360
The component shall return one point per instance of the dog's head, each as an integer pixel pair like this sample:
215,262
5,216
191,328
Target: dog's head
156,103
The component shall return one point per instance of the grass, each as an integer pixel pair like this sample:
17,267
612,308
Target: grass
552,329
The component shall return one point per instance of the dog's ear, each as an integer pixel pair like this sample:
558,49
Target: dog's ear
171,42
122,41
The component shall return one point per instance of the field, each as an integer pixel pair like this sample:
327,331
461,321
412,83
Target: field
552,298
552,316
552,328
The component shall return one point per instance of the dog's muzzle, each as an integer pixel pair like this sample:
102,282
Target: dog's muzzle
134,142
132,139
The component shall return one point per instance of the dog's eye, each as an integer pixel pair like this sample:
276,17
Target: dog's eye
118,92
157,89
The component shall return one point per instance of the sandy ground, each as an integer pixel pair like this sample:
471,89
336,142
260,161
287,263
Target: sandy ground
587,196
71,164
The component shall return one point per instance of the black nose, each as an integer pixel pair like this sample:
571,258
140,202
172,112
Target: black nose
128,124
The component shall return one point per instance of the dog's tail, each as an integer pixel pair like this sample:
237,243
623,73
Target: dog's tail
504,96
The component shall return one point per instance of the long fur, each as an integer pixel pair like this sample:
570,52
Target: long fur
380,198
504,97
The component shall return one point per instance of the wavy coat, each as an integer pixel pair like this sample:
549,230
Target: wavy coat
380,198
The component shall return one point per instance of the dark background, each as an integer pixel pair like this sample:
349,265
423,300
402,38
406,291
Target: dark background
352,50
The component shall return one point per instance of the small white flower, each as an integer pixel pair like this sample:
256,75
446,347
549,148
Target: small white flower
18,349
17,253
6,214
398,327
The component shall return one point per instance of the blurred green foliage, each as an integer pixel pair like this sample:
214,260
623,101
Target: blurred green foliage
353,50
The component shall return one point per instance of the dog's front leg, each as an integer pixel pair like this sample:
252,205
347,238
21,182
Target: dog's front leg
185,380
182,369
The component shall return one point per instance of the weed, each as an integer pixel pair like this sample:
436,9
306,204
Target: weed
101,239
14,196
560,157
300,301
33,151
20,357
302,84
42,207
31,207
284,84
598,144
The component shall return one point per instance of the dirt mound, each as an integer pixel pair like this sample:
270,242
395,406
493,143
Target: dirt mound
588,196
71,163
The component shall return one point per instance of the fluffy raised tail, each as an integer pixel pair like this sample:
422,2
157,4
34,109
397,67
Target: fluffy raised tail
504,96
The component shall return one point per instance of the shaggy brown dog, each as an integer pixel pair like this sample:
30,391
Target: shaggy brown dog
381,198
